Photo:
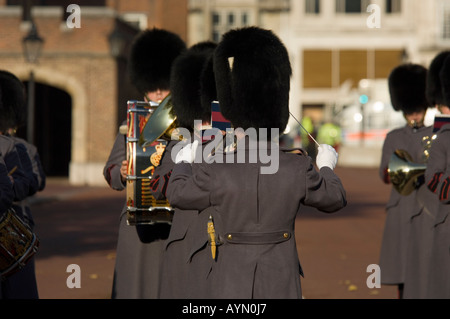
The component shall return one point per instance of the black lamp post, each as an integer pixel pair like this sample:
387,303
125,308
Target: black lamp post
117,42
32,45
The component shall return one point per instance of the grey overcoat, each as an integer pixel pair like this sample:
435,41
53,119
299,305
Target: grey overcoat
186,260
254,217
400,209
139,248
437,178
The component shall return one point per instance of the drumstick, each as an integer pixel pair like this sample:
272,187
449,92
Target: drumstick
305,129
12,171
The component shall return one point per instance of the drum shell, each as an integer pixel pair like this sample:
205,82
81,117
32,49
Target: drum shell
142,207
17,243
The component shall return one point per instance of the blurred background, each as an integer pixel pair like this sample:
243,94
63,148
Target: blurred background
75,66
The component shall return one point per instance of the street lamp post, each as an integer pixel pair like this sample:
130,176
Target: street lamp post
32,45
117,42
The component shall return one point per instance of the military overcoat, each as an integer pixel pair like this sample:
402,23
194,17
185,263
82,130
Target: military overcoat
254,216
437,178
400,209
139,248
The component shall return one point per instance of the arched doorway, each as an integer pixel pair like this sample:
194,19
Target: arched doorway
52,129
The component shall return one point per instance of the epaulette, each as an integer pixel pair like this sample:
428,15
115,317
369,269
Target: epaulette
445,128
294,150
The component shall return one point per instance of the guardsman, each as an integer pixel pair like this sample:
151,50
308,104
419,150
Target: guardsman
22,284
407,85
253,206
437,179
192,95
139,248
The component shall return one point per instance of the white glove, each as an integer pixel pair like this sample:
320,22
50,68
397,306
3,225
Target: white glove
327,156
187,153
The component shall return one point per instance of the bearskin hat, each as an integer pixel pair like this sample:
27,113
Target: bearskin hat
12,101
152,54
407,86
208,90
445,82
252,72
434,87
185,84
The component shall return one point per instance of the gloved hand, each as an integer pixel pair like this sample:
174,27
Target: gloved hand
327,156
187,153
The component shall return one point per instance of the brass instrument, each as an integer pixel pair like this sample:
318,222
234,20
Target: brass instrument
160,125
404,173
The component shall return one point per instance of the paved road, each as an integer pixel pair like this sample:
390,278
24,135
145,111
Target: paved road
79,225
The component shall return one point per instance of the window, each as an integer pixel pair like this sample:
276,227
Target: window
224,20
216,19
321,67
351,6
317,69
385,61
312,6
139,20
393,6
230,19
446,23
244,19
216,36
352,66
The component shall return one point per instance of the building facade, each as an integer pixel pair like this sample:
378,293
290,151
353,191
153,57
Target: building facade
346,48
80,82
340,50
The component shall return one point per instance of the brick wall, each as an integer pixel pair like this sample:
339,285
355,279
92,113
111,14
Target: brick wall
79,62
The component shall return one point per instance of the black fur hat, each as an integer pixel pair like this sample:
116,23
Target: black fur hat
445,82
407,86
12,102
434,87
152,54
252,71
208,90
185,84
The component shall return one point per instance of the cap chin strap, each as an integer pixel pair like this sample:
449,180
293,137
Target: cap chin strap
416,125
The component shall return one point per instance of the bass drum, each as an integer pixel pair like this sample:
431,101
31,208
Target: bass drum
142,207
17,243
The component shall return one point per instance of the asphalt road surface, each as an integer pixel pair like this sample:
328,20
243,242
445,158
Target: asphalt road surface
79,226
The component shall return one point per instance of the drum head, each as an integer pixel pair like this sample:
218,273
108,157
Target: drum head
159,122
